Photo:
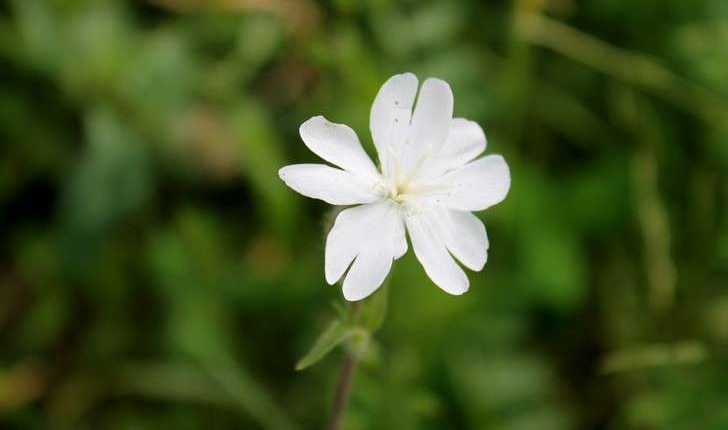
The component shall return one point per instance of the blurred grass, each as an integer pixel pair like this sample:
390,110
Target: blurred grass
155,273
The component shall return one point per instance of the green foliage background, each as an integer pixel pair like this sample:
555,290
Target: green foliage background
156,273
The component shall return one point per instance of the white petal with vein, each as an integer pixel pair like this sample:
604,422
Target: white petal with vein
474,187
431,251
390,117
465,141
465,238
337,144
430,124
334,186
369,235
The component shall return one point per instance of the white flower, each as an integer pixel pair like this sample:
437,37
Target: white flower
429,181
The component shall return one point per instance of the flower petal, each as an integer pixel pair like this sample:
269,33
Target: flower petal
389,120
465,141
473,187
337,144
430,124
371,236
466,238
345,238
366,274
430,249
334,186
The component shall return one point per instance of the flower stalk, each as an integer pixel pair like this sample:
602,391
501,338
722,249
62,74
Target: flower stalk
343,387
354,328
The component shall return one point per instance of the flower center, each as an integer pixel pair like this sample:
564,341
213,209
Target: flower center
397,192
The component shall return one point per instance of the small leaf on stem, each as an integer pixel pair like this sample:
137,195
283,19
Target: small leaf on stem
336,333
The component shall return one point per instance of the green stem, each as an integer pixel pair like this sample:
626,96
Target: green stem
343,387
367,316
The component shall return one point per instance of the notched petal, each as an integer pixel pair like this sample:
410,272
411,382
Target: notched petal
390,117
334,186
338,144
430,123
431,251
476,186
365,240
466,238
465,141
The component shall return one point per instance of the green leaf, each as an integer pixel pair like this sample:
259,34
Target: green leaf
336,333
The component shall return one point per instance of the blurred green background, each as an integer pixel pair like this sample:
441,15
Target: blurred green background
156,273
